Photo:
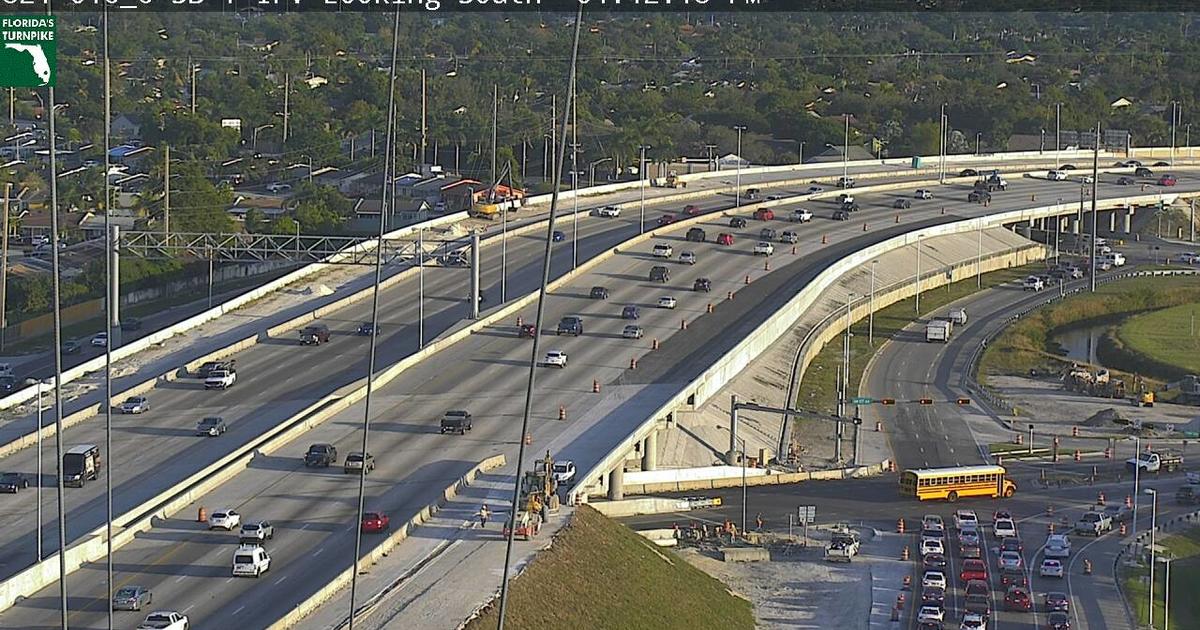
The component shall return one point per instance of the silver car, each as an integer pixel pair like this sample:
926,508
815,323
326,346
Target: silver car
135,404
132,598
632,332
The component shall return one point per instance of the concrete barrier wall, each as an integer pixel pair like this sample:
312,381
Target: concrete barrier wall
302,610
644,505
770,479
666,475
733,362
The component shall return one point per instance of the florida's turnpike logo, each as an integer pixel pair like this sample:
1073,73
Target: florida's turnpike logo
27,51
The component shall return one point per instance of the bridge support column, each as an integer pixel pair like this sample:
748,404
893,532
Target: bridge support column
650,452
1112,221
616,483
1127,220
731,456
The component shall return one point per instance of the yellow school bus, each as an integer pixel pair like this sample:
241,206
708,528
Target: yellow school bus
956,482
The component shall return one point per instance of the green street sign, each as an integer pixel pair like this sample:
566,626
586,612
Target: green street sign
862,400
28,53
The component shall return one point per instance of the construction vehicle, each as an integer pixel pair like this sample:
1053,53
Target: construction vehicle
1102,384
1189,390
1144,396
540,486
490,209
672,181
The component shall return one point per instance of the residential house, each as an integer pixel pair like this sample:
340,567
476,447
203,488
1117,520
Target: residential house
271,207
37,223
124,128
406,212
92,224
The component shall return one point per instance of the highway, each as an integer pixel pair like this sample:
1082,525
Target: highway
183,564
908,368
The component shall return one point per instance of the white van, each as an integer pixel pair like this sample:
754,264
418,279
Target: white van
251,560
1116,259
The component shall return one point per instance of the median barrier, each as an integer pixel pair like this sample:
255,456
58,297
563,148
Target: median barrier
767,479
327,592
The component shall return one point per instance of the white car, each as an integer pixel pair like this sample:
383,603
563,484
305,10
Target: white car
1004,528
966,519
1033,283
165,620
931,614
933,578
764,248
100,340
556,358
276,187
662,250
1190,258
812,190
973,621
932,545
609,211
1057,546
932,521
667,301
632,332
1051,568
225,519
802,216
1087,179
564,471
1056,176
923,194
1010,560
687,258
135,404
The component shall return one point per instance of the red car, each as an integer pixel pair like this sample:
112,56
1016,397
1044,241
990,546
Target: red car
973,570
692,210
764,214
666,219
375,521
1017,598
1167,180
724,239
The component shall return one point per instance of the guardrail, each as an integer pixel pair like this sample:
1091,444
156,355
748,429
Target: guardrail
714,378
1000,404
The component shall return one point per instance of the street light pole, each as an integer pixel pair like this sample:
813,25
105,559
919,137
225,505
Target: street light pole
1174,120
38,492
1057,132
1137,449
1153,524
1167,596
918,296
254,135
871,315
642,177
846,150
978,136
737,192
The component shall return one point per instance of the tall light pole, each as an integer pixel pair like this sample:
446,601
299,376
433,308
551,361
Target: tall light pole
592,170
978,137
1057,132
942,149
871,315
254,135
1137,451
1153,524
1174,120
846,150
918,278
1095,181
1167,595
642,177
737,192
38,488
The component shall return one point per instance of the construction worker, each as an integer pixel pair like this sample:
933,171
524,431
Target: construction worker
758,521
483,516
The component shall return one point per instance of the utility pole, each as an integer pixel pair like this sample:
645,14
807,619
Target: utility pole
192,72
942,144
166,190
737,194
12,107
287,89
1174,120
423,118
1095,180
553,130
845,151
495,114
4,269
1057,132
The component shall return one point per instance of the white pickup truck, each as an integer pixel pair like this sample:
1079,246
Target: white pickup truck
1155,461
220,379
1094,523
165,620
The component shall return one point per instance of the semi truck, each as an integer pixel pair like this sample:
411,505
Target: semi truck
938,330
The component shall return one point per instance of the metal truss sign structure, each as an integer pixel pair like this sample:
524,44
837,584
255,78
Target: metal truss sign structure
247,248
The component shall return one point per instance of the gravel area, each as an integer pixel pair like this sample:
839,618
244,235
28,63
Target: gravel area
1046,401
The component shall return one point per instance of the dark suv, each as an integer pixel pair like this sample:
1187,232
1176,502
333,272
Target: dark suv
659,273
456,421
599,293
314,335
320,456
570,325
696,235
702,284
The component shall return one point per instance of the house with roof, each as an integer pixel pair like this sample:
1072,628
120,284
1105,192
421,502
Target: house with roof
272,207
125,128
405,212
92,223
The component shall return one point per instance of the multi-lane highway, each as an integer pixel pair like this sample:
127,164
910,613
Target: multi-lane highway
188,568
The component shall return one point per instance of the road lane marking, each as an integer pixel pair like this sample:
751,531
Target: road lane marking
280,580
240,608
180,578
318,551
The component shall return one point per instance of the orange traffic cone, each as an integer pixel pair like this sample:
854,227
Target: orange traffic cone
897,218
767,265
528,439
1100,498
201,515
824,239
864,227
710,307
562,412
747,278
633,364
595,386
683,324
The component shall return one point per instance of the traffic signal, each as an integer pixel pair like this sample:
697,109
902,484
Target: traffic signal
887,401
925,401
963,401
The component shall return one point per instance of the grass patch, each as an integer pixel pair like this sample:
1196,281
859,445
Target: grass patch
1027,345
818,389
1167,336
600,574
1185,583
